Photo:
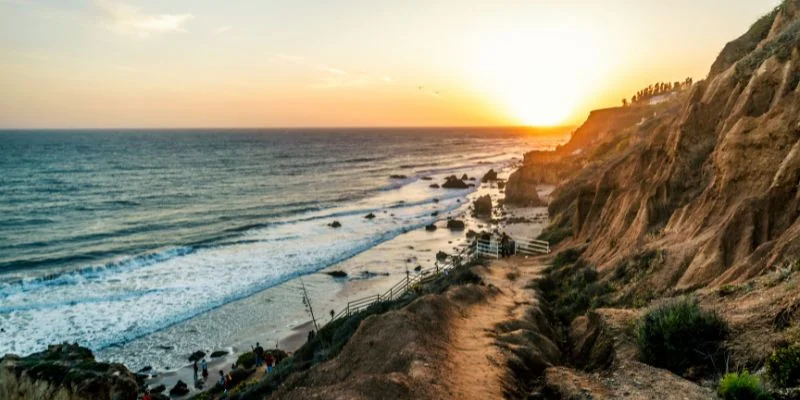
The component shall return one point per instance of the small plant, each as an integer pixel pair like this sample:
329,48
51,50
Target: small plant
680,335
783,366
741,386
727,290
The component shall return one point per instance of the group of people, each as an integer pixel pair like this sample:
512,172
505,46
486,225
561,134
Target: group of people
263,357
202,367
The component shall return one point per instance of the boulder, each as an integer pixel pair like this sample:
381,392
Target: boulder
197,355
434,186
418,268
501,185
426,178
483,206
335,224
452,182
464,177
180,389
430,228
397,176
158,389
435,200
337,273
370,216
218,353
455,225
489,176
441,256
435,214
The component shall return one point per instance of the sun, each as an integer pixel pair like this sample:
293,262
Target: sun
536,76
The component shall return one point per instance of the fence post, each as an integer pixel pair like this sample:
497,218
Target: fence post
408,278
348,308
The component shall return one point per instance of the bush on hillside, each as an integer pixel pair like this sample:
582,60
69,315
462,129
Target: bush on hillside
783,366
571,287
246,360
680,335
741,386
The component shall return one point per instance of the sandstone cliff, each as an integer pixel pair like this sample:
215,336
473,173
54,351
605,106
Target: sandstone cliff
710,180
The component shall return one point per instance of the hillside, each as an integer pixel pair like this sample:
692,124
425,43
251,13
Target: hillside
699,198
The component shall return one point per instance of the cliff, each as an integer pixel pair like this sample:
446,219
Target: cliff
710,179
65,372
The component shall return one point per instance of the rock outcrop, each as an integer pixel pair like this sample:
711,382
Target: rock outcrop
483,206
67,372
452,182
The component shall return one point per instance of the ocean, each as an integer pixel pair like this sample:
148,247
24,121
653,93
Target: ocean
107,237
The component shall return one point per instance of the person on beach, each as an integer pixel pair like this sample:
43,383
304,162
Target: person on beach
146,395
221,381
269,360
204,368
259,352
504,246
196,368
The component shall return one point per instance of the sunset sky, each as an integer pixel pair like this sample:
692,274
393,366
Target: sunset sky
250,63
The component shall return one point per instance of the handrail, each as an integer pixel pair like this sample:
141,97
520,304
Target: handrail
405,285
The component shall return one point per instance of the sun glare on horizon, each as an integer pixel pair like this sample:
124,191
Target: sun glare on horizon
537,77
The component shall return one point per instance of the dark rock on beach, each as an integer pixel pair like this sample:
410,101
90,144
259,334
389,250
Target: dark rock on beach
369,216
430,228
483,206
398,176
434,186
335,224
418,268
158,389
426,178
218,353
489,176
452,182
441,256
197,355
455,225
337,273
180,389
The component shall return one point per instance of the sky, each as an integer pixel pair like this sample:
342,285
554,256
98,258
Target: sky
263,63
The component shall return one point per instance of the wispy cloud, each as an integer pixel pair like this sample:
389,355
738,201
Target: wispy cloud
222,29
129,20
333,77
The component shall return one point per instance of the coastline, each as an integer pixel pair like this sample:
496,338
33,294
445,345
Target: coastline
275,316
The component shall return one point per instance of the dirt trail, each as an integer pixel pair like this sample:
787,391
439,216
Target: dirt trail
476,367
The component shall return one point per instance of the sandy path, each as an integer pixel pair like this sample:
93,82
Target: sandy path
476,367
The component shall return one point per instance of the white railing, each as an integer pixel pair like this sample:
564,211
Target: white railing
488,248
531,246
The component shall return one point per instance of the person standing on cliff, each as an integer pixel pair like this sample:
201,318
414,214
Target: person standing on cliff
259,352
269,360
204,368
196,368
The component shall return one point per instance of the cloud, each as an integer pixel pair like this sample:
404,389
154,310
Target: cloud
129,20
222,29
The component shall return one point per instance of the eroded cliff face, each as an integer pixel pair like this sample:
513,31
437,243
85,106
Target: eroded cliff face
64,372
710,181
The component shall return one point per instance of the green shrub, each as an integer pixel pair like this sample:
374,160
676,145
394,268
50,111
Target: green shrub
741,386
783,366
246,360
571,287
680,335
555,235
